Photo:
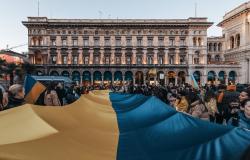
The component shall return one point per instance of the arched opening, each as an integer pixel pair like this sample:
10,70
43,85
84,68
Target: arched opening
219,47
171,77
128,76
54,73
139,78
231,42
199,41
97,77
210,47
107,78
238,40
181,77
215,47
118,78
197,76
38,59
222,77
161,77
76,76
211,77
232,77
195,41
65,73
197,57
86,78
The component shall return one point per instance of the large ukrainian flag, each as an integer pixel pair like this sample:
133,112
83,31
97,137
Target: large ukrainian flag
110,126
33,89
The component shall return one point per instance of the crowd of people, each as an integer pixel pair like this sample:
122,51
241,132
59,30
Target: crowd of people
222,104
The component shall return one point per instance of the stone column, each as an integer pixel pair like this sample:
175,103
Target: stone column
123,58
112,56
59,56
177,56
91,56
144,59
101,56
134,56
155,56
166,57
80,57
70,56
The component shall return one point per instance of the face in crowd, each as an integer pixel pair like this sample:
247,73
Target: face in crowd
243,96
247,109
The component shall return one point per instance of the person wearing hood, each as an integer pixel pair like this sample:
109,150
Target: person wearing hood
15,96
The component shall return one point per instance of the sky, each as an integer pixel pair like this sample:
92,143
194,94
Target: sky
13,12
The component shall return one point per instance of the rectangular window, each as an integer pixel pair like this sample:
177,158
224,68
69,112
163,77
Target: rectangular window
54,58
171,59
182,42
107,60
107,42
172,42
150,42
128,60
196,60
118,42
161,42
128,42
139,60
75,42
150,60
64,42
86,60
96,60
53,42
86,42
160,60
75,59
118,60
183,59
65,59
96,42
139,42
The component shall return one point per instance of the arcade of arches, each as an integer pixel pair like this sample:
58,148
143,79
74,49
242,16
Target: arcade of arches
142,77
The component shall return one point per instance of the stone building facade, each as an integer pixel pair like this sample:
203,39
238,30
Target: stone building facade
236,34
94,51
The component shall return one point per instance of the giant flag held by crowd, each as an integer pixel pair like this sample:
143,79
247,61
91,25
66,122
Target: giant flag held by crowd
33,89
113,126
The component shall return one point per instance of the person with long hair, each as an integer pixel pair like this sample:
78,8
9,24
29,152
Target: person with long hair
51,97
211,104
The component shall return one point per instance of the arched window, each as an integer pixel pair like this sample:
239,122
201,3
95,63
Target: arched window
197,57
238,40
194,41
231,42
215,47
199,42
210,47
209,58
219,47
